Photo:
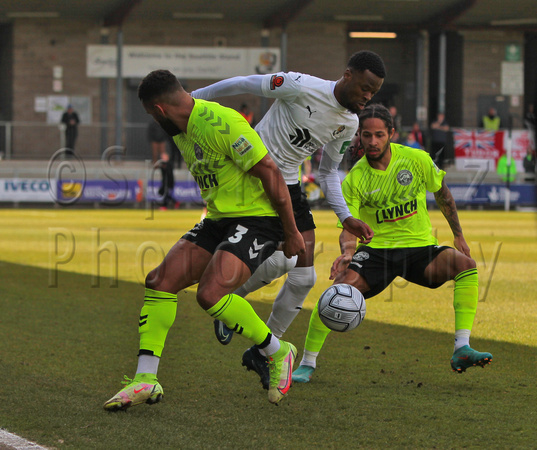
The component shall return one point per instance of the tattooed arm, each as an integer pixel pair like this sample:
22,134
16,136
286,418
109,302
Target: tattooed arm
446,203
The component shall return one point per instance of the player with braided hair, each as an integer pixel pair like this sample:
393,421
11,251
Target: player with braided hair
387,190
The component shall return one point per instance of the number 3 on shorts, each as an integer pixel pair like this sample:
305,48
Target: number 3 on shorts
238,235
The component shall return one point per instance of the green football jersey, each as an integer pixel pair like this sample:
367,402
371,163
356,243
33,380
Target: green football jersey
219,147
393,201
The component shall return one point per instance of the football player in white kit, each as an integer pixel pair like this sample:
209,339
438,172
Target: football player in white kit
308,113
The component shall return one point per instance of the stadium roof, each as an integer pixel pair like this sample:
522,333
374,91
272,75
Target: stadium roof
360,15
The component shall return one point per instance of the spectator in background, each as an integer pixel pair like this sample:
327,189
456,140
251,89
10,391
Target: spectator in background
397,123
410,141
418,134
158,140
506,169
530,121
529,164
491,121
247,113
70,120
439,138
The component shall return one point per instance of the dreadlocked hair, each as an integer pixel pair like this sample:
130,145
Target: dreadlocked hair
377,111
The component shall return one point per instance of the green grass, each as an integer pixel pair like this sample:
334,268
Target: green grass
68,336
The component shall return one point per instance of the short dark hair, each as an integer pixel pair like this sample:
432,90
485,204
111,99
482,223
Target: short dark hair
377,111
158,84
366,60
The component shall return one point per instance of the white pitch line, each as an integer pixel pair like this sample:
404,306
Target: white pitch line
16,442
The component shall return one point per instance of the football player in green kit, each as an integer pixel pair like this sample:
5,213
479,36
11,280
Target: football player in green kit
387,190
249,214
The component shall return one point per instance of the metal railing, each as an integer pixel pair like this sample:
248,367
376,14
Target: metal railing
38,140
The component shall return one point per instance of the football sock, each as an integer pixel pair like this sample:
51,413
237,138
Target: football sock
273,267
465,298
309,359
290,299
317,334
462,338
148,364
239,316
272,347
156,318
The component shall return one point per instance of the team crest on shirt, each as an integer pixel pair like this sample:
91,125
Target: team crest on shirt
360,256
276,81
337,132
404,177
198,152
241,145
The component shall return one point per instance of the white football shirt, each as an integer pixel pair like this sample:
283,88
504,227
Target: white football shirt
304,117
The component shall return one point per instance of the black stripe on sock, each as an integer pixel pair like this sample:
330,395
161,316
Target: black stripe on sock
465,274
223,307
148,298
266,342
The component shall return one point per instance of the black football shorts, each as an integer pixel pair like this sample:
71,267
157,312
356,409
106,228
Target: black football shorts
251,239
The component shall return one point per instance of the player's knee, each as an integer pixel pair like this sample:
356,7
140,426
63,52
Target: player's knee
276,266
205,298
302,276
466,263
152,280
289,263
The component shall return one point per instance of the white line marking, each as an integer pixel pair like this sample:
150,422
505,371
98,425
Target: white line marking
16,442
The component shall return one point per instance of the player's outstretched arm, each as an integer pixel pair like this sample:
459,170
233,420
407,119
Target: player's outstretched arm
232,86
331,186
359,229
347,244
446,203
278,193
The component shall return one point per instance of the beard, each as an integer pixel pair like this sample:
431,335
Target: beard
380,155
169,127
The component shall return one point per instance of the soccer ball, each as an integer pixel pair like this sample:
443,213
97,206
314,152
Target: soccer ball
341,307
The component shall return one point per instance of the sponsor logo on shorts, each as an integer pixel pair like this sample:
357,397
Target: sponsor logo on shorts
254,249
360,256
404,177
241,145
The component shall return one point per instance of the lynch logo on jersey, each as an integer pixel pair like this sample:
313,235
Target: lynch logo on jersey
398,212
206,181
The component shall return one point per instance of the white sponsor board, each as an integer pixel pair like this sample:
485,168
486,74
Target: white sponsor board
27,190
184,62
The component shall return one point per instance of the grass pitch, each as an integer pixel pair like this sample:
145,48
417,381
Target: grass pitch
70,298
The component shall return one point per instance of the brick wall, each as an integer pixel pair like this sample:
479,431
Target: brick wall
483,55
316,48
